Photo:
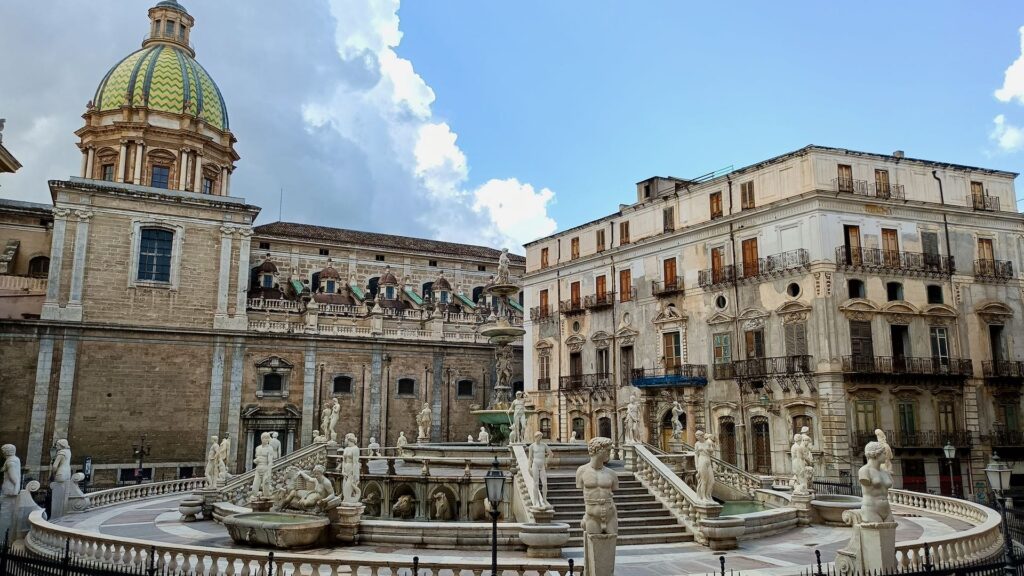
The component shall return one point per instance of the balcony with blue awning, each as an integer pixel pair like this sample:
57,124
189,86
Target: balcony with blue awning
681,375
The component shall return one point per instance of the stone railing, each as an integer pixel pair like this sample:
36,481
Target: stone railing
237,489
278,305
735,477
134,554
982,541
675,494
522,501
120,494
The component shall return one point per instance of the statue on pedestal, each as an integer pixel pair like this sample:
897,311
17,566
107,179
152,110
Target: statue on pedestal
677,426
704,448
401,443
263,463
872,548
225,453
11,487
61,465
275,444
423,423
373,448
325,422
539,452
60,487
600,519
335,414
483,437
517,432
632,427
212,471
503,267
350,490
798,460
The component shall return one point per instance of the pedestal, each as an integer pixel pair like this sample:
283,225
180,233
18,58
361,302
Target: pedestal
599,554
58,498
191,506
872,549
722,533
8,505
260,504
544,538
802,503
676,447
345,522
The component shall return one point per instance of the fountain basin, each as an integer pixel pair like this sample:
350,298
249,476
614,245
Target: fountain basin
281,530
830,507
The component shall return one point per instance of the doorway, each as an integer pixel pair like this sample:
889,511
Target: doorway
913,475
762,445
666,429
900,337
604,426
727,439
626,368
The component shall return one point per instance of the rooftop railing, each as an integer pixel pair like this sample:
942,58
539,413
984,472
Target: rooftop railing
894,261
879,190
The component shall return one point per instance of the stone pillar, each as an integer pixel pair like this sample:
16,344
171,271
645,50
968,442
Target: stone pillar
235,398
223,181
691,425
224,271
197,178
40,405
51,307
121,160
137,176
182,167
309,385
241,297
66,386
871,550
376,376
227,183
90,161
216,389
78,263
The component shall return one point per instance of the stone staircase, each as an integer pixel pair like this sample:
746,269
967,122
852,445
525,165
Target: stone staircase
642,518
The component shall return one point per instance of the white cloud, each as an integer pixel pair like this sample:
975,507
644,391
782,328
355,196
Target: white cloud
519,212
1013,80
1008,137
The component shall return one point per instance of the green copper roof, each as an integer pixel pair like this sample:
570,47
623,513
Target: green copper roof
163,77
515,304
415,297
466,301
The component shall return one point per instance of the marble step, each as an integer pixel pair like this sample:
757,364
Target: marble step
659,522
654,510
640,539
635,530
622,491
620,499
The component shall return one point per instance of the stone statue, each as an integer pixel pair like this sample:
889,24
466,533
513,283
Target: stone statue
503,267
374,448
61,465
887,455
275,444
350,491
798,461
305,490
483,437
677,426
401,443
372,503
517,432
11,471
225,453
405,507
469,439
212,471
538,455
704,448
872,547
423,422
600,520
805,440
632,427
442,509
335,414
572,438
325,421
875,482
263,462
503,365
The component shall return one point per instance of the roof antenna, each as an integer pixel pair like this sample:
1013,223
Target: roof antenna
280,203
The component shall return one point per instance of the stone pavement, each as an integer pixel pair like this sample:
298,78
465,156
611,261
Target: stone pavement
781,554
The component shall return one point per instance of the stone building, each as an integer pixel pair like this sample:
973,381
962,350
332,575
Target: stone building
160,310
839,290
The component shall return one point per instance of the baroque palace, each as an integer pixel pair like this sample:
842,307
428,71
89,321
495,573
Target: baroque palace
838,290
145,303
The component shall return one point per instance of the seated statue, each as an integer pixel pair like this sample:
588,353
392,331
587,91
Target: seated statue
305,491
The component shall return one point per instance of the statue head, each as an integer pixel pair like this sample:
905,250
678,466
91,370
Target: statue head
804,430
482,429
373,440
600,446
401,434
350,439
213,439
426,406
7,450
273,434
519,394
318,470
62,443
797,439
538,436
265,438
699,435
874,450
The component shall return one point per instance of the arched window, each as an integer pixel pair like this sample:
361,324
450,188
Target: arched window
464,388
579,426
762,445
727,439
477,292
330,286
406,387
801,420
342,384
856,288
272,383
545,428
428,290
155,255
373,284
39,267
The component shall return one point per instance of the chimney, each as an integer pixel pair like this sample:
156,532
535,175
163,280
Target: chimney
898,154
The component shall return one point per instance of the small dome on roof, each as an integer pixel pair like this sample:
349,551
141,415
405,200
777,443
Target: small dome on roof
442,283
388,278
267,266
172,4
329,273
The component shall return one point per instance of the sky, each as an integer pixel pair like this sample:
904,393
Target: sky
499,122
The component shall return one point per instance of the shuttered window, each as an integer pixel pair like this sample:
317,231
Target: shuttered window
600,286
600,240
716,205
796,339
750,258
625,285
747,195
623,232
574,248
543,257
722,348
669,218
755,343
671,343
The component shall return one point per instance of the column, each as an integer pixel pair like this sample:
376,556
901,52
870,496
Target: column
244,243
51,307
40,400
227,184
376,370
197,178
250,447
137,177
121,159
65,389
89,162
223,181
216,389
235,397
78,264
224,272
308,394
85,163
183,169
436,396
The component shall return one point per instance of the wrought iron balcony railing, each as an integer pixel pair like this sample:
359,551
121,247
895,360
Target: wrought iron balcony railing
584,381
916,438
1009,369
1005,438
894,261
993,269
669,287
571,307
627,295
598,301
775,264
907,365
716,276
865,188
984,202
723,371
677,375
543,384
753,368
541,313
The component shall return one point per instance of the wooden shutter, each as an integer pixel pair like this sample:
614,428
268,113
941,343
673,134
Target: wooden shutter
985,251
796,339
543,301
845,174
600,240
543,257
860,339
600,286
750,263
623,232
977,189
747,195
755,343
669,272
574,246
574,291
625,285
670,343
716,263
890,247
882,182
716,205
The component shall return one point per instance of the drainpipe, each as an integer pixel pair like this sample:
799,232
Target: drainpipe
614,368
736,329
558,302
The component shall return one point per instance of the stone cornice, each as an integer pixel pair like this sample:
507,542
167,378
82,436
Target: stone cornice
165,196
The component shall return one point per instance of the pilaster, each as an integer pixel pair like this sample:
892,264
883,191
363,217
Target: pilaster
65,389
235,396
137,173
216,389
121,160
74,307
308,393
90,161
224,272
51,307
40,403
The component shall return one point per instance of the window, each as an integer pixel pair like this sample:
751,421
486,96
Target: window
600,286
940,344
544,373
647,190
464,388
379,257
671,349
716,205
722,344
600,240
985,251
159,177
107,172
481,268
796,339
930,248
750,259
894,291
543,302
754,340
800,421
977,188
543,257
342,384
717,265
272,383
623,233
668,216
861,344
406,387
330,286
155,255
668,273
865,414
169,28
574,248
134,474
625,285
934,294
574,294
603,365
906,412
207,186
325,252
946,418
432,263
267,281
39,267
845,178
545,428
747,195
389,292
579,427
882,183
1010,414
264,245
855,288
890,247
185,472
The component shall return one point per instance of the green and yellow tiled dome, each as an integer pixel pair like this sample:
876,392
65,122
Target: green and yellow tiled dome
163,77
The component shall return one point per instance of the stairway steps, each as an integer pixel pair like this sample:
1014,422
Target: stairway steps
553,491
619,499
643,522
637,539
577,512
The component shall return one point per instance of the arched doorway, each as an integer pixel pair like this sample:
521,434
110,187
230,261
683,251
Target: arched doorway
762,445
666,428
727,439
604,426
579,427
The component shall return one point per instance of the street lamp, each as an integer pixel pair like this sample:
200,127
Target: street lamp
141,450
950,451
495,484
998,475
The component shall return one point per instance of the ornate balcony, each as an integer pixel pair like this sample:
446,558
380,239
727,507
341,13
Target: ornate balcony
724,371
571,307
1005,438
865,188
575,382
894,261
907,366
541,313
993,270
754,368
935,439
1003,372
667,288
709,279
599,301
774,265
984,202
678,375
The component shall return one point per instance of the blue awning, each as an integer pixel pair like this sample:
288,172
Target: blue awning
669,381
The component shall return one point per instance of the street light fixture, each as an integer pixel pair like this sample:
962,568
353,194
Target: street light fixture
950,451
998,475
140,450
495,484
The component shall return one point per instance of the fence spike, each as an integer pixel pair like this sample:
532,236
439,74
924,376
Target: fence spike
416,566
571,567
721,559
270,564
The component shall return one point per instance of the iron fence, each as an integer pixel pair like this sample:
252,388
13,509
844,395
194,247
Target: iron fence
774,264
1002,369
894,260
716,276
993,269
667,288
984,202
910,365
881,190
839,487
596,301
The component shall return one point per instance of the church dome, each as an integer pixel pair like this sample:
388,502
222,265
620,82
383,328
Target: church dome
163,77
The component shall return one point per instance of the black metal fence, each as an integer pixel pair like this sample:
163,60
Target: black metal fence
841,487
988,567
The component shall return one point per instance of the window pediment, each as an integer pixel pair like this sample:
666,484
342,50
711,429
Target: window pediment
575,342
669,315
720,318
993,312
274,364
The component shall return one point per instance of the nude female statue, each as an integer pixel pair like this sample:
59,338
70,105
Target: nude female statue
350,490
875,482
61,465
705,450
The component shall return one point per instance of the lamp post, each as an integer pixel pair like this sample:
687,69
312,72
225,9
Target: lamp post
950,452
141,450
998,475
495,484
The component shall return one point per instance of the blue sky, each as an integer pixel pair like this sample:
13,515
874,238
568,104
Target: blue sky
497,122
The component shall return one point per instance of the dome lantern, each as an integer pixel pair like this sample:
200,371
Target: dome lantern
169,22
